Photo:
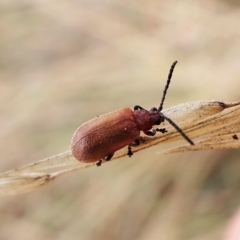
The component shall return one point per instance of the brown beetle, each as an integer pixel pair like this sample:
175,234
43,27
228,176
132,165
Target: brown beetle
98,139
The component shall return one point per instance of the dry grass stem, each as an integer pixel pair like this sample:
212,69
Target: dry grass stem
210,124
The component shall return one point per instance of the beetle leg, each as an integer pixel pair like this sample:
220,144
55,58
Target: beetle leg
150,133
99,163
130,153
162,130
138,108
134,144
107,158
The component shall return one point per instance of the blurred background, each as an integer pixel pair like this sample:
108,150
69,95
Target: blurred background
65,62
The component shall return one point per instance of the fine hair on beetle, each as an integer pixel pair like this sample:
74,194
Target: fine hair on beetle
98,139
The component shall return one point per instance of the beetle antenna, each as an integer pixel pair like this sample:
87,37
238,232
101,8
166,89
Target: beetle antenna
167,85
179,130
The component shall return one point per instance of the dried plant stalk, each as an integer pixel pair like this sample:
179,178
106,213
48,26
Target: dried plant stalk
210,124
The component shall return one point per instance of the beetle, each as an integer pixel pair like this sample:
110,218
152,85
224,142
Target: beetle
98,139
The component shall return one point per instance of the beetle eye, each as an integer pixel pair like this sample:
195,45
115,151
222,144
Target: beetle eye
153,109
157,122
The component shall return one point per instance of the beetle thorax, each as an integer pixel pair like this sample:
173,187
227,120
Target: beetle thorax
145,119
